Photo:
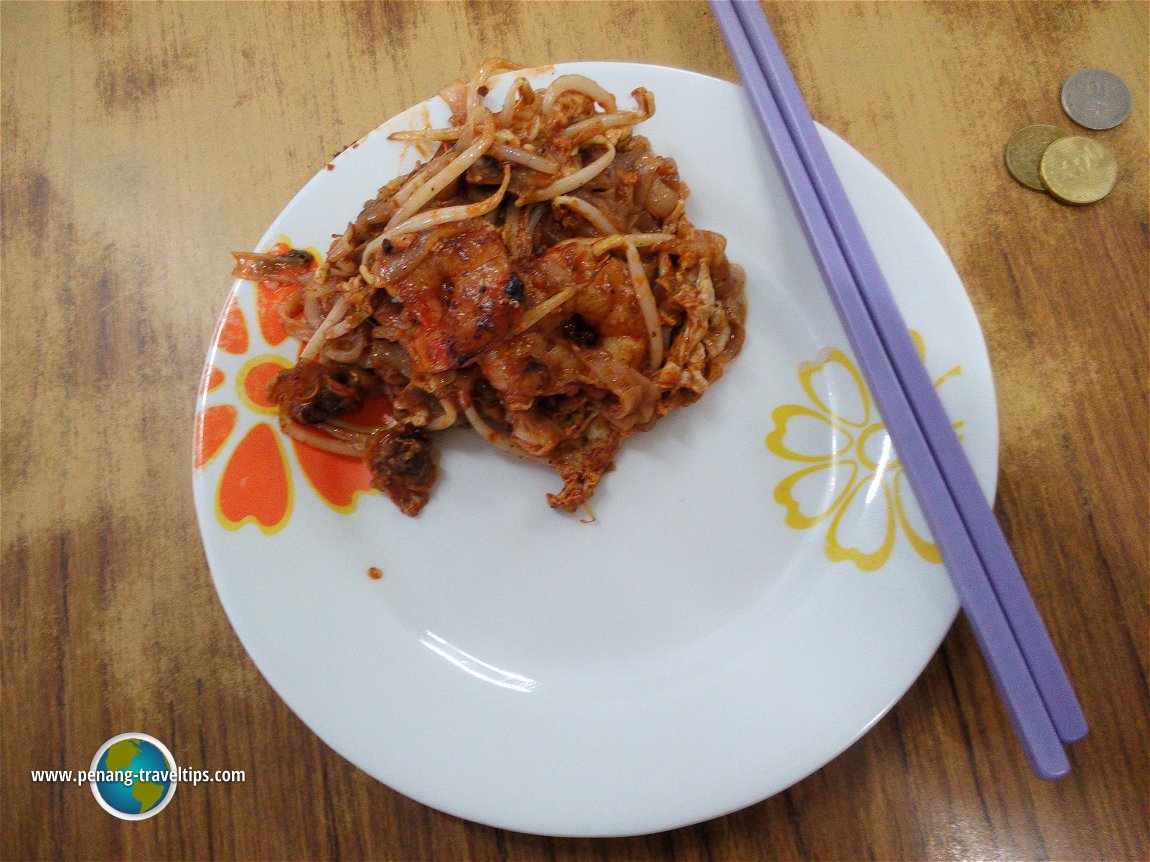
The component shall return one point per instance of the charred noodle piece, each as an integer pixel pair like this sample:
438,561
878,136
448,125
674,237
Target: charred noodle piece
536,282
312,393
401,466
288,267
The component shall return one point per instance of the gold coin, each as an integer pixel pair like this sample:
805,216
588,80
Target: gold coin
1078,170
1024,152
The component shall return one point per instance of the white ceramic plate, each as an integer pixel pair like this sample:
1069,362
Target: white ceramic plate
758,589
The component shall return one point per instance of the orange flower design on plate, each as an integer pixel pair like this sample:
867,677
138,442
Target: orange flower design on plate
256,485
851,479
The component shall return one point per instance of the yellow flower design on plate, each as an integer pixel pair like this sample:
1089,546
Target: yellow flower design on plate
858,487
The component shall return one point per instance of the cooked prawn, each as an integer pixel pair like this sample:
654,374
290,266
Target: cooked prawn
457,296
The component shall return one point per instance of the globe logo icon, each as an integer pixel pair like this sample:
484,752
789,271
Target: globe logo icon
134,776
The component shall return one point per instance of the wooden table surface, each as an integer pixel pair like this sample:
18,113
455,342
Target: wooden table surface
142,143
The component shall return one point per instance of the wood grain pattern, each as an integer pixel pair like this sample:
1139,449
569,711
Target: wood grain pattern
143,142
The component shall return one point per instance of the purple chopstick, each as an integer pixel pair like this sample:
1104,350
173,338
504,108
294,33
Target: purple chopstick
1022,659
1006,579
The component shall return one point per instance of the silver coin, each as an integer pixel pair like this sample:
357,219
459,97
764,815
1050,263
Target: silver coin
1096,99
